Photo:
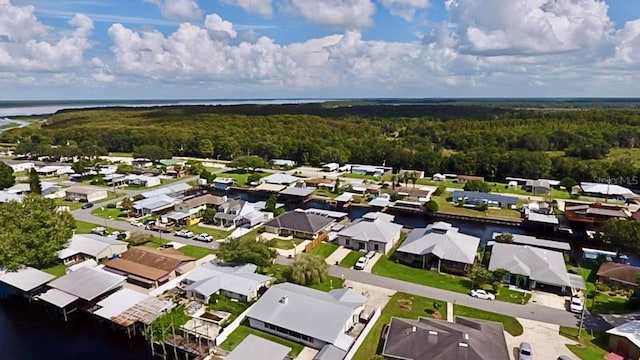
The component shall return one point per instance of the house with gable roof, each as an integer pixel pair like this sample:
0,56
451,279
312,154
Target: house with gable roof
373,232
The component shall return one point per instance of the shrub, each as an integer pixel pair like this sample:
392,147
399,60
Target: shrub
111,206
600,286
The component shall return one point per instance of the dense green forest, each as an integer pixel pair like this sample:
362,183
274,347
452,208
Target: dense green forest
492,141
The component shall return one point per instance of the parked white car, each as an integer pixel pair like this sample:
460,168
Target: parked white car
204,238
576,305
136,223
482,294
361,263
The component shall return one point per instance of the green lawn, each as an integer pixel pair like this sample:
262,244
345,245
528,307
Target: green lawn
217,234
161,328
350,260
603,303
241,177
590,348
388,268
83,227
325,193
447,207
513,296
284,244
510,324
358,176
223,303
155,242
400,305
236,337
330,283
324,250
109,213
56,270
195,251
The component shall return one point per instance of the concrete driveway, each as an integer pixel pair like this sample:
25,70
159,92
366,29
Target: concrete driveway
371,262
548,299
378,297
545,341
337,255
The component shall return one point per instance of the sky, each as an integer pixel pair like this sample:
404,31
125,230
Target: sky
215,49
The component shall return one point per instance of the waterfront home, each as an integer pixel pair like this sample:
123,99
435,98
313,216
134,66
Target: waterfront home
176,190
236,212
373,232
462,338
300,224
223,184
477,198
280,179
440,246
618,276
624,341
531,267
26,281
149,267
337,216
255,347
296,193
593,215
312,317
82,247
128,308
85,193
534,241
236,282
320,183
422,194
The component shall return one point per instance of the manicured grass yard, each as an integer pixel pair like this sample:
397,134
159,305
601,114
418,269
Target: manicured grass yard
56,270
236,337
328,284
404,306
324,250
325,193
510,324
284,244
109,213
350,260
513,296
195,251
83,227
388,268
604,303
241,177
590,348
447,207
223,303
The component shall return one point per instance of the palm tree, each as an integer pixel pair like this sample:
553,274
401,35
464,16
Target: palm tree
405,178
413,177
394,180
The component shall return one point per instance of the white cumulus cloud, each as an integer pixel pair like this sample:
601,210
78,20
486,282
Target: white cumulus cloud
260,7
336,14
219,28
405,9
178,9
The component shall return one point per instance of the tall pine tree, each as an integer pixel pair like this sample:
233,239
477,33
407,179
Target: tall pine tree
34,182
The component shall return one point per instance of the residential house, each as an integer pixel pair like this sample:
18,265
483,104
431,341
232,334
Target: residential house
160,204
462,338
107,169
337,216
531,267
50,190
373,232
422,194
82,247
223,184
440,246
115,179
438,177
624,341
593,215
477,198
330,167
25,281
255,347
143,180
296,193
174,190
18,166
312,317
282,163
467,178
380,202
538,187
280,179
141,163
409,173
236,212
371,170
150,267
618,275
607,191
85,194
54,170
534,241
320,183
300,224
236,282
189,211
7,196
175,171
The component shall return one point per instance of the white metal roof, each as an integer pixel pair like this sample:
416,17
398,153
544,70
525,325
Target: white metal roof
57,298
280,179
347,196
118,302
89,244
25,279
88,283
605,189
444,241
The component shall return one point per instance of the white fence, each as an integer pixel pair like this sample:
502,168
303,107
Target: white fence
363,335
231,328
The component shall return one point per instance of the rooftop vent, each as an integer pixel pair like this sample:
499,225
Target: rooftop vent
463,345
466,336
284,300
434,333
413,329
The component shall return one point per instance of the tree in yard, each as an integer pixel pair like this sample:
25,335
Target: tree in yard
248,163
568,183
413,176
440,190
499,274
151,152
7,179
80,167
139,238
505,238
405,179
271,206
34,182
394,180
336,186
308,269
126,203
621,235
432,207
253,178
32,232
205,148
209,215
479,275
246,250
477,185
205,174
194,167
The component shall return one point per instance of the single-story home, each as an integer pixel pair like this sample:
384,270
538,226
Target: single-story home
50,190
159,204
373,232
618,275
255,347
91,246
330,167
532,267
534,241
7,196
462,338
174,190
476,198
295,192
85,194
311,317
320,183
440,246
223,184
18,165
107,169
143,180
236,212
280,179
188,211
605,190
438,177
466,178
371,170
593,215
115,179
150,267
236,282
300,224
538,187
624,341
282,163
54,170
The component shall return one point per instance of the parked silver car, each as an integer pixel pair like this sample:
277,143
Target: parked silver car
525,352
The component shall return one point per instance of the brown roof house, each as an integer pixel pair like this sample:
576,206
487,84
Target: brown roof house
593,214
431,339
300,224
618,275
149,267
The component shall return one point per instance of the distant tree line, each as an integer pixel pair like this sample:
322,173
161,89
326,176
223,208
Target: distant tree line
493,142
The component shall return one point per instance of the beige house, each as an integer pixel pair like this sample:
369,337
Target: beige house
85,194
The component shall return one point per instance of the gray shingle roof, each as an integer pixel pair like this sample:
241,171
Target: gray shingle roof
379,230
534,241
301,221
279,179
307,311
545,266
254,347
296,191
209,279
87,283
442,240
